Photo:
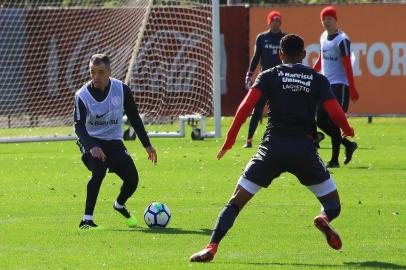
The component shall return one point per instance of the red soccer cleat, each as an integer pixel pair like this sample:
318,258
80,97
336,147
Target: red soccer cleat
206,255
332,237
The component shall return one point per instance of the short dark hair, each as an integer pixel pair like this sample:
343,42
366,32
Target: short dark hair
98,59
292,44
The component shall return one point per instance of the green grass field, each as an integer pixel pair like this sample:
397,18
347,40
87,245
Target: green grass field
42,193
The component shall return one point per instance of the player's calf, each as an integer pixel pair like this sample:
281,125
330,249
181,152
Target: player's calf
331,209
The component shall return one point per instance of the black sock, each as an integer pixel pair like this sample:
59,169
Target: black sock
331,209
129,175
224,222
346,142
335,143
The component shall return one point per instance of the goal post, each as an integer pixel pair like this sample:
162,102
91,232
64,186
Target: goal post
167,51
216,68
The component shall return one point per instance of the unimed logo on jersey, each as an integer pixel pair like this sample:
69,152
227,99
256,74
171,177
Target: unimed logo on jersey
295,82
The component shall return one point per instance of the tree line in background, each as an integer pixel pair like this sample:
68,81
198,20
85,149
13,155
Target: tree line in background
112,3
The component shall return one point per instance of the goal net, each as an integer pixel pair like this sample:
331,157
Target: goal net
162,49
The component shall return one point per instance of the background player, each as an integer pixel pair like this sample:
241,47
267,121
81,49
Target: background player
292,91
98,115
267,54
335,63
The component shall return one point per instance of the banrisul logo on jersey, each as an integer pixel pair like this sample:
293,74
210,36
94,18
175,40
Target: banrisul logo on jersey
295,82
104,123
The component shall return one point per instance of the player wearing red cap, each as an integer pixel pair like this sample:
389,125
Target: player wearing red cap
267,54
335,63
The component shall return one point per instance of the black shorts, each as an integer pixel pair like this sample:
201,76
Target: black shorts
342,93
297,155
116,156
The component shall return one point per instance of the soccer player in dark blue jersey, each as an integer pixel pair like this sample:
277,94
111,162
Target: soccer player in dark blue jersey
292,91
98,114
267,55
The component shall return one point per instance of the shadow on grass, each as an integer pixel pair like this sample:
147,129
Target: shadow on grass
369,167
359,167
164,231
359,148
355,265
375,264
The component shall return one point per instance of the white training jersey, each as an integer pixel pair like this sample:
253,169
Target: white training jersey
331,64
104,119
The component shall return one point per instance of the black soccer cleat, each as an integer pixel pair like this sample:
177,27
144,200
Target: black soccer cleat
130,221
332,164
87,224
349,151
123,211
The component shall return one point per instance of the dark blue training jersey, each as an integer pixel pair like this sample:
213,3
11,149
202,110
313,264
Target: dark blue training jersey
266,50
293,92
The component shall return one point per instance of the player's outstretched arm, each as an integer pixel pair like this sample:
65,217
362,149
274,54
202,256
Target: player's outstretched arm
337,115
131,111
243,111
350,77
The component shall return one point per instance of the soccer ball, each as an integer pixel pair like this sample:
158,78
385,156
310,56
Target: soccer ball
157,215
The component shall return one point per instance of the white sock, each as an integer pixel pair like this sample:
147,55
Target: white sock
118,206
88,217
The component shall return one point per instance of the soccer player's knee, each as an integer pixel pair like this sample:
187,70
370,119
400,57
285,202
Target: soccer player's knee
98,174
332,209
132,185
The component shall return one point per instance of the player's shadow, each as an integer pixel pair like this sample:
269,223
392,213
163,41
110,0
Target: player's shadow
359,167
375,264
175,231
166,231
355,265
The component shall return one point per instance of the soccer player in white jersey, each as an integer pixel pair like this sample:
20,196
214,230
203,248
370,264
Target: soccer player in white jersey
98,114
335,63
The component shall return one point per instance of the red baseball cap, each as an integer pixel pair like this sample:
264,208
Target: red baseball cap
274,15
328,11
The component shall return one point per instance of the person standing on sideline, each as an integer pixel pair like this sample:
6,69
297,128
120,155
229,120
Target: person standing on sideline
267,54
334,62
293,92
98,114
